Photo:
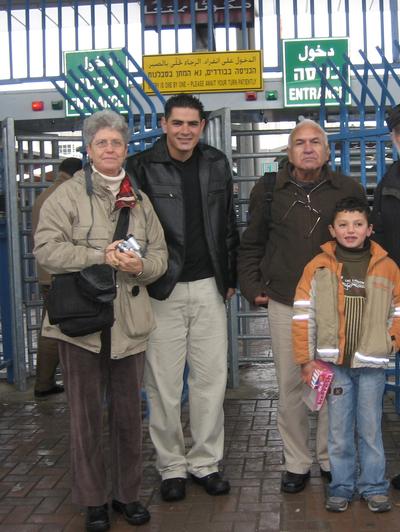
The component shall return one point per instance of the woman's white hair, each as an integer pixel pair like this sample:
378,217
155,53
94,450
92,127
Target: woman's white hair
103,119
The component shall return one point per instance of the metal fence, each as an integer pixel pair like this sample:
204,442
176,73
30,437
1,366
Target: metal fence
31,163
34,34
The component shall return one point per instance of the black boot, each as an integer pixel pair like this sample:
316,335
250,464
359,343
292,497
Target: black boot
97,519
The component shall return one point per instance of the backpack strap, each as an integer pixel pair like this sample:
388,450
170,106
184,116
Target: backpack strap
269,180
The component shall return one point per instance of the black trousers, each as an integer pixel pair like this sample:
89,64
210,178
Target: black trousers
94,382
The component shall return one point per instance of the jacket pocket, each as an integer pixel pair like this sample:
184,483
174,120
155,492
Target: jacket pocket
164,192
133,313
96,236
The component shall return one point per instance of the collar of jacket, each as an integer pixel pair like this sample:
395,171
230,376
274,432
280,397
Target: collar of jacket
285,176
159,151
100,187
377,252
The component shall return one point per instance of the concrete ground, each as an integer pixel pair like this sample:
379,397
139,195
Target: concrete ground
34,473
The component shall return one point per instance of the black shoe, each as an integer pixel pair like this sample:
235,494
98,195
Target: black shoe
97,518
326,474
173,489
294,482
214,484
55,389
396,482
133,512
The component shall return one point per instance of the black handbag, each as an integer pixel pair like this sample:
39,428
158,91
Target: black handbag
77,305
81,302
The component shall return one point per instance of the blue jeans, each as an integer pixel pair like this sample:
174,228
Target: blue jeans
355,415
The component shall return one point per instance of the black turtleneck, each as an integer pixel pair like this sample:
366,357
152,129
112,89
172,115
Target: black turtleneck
197,263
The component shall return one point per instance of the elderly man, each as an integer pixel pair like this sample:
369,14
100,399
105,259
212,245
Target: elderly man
274,249
386,211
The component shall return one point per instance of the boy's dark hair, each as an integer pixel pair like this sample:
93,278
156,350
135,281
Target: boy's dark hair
352,204
183,100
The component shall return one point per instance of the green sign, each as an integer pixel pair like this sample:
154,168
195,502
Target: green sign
104,77
302,84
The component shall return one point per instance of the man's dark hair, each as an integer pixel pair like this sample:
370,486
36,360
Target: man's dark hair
70,165
183,100
352,204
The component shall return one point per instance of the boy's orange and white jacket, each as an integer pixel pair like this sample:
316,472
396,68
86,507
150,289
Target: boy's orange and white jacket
319,320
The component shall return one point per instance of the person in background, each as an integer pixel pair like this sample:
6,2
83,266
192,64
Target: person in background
386,208
190,187
47,358
272,256
347,314
75,230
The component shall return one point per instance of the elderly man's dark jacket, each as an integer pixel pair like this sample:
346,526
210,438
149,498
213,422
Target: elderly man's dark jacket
159,178
273,253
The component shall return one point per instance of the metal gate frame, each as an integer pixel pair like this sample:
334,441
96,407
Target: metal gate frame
14,259
218,133
21,273
370,88
24,304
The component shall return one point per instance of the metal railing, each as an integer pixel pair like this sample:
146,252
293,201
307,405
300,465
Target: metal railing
34,34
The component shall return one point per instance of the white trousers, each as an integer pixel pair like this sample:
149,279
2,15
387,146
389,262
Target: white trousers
293,414
192,328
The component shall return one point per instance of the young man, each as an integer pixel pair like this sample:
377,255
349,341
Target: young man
347,313
190,186
272,257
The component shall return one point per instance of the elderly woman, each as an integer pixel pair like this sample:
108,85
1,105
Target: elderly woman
76,230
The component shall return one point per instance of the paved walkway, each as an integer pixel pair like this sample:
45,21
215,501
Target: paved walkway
34,476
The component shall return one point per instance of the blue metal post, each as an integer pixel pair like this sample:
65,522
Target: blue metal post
5,303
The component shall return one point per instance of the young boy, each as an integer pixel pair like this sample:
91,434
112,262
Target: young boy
347,313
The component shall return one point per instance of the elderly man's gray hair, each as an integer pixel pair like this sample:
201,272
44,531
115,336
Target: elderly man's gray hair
103,119
307,122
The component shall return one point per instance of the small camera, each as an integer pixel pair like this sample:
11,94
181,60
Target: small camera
130,244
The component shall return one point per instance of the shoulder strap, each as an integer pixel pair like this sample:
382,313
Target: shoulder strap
121,229
134,185
88,179
269,179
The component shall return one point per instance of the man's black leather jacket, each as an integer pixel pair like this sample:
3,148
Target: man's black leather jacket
159,178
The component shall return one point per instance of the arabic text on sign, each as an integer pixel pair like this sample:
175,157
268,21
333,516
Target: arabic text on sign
88,63
310,53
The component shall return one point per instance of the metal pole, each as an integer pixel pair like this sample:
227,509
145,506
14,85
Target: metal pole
14,256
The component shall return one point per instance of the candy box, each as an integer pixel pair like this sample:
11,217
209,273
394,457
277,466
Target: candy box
314,395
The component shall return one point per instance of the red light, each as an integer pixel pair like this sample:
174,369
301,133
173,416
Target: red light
38,105
250,96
